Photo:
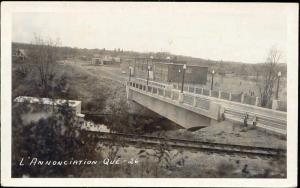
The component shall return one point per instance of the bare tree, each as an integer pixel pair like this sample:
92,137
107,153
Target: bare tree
43,55
269,76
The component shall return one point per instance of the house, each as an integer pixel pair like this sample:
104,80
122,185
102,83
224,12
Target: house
49,103
19,54
105,60
97,61
38,108
117,60
167,70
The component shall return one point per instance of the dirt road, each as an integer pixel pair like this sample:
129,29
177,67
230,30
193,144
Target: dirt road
108,72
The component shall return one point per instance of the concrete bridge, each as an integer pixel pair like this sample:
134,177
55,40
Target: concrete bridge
192,109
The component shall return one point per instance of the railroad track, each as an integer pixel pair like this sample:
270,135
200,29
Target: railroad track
211,147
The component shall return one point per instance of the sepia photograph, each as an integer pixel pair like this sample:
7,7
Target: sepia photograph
135,92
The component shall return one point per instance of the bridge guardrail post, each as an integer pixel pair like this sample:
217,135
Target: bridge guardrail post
256,101
275,104
194,101
242,97
164,92
230,96
219,96
171,94
202,91
180,97
210,93
195,90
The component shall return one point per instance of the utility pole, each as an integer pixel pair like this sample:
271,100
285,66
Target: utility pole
279,75
212,79
184,67
148,68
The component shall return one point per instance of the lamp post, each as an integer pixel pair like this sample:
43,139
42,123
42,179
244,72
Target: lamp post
279,75
212,79
148,74
183,72
129,73
178,78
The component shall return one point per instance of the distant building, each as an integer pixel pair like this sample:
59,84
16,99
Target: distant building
167,70
97,61
43,107
116,60
19,54
49,103
105,60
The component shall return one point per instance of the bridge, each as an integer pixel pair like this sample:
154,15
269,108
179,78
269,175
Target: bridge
196,107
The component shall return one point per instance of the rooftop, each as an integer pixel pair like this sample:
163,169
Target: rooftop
46,101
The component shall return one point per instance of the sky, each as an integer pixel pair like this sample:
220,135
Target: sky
228,32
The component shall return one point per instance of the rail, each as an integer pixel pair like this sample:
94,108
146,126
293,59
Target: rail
197,145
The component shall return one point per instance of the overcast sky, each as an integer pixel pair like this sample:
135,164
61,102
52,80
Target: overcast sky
242,33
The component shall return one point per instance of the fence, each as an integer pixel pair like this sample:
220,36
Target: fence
225,96
236,97
206,92
249,100
175,95
202,103
214,93
282,106
189,99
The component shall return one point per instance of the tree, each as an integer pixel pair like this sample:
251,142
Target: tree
269,76
55,138
43,55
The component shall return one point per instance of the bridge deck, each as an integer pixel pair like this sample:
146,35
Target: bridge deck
214,108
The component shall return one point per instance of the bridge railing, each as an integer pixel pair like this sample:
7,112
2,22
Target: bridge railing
191,100
152,83
240,98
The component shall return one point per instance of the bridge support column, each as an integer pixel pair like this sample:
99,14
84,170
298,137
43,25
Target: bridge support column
242,98
256,101
128,93
210,93
275,104
194,101
180,98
